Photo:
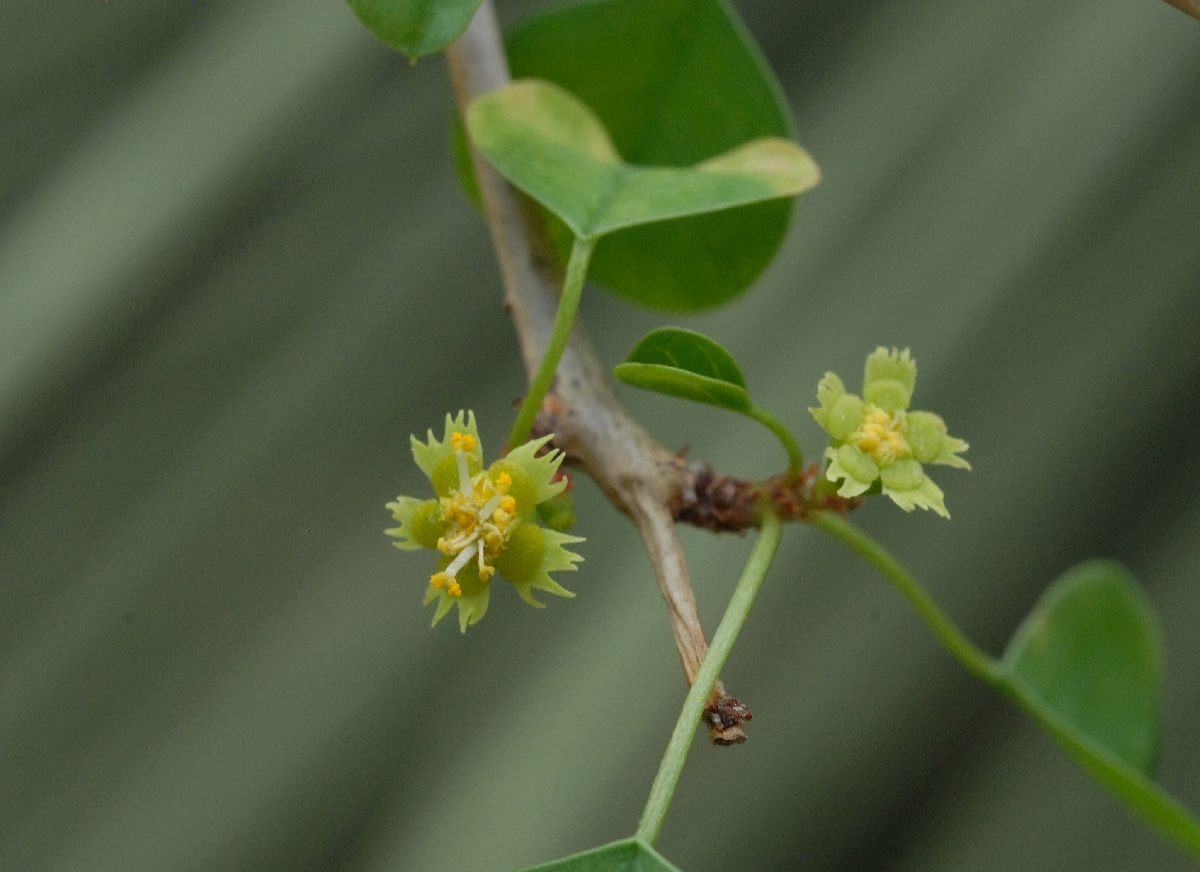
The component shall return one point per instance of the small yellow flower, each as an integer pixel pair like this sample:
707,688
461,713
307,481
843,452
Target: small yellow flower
483,521
876,438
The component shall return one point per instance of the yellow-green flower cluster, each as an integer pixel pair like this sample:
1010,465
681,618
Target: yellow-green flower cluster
483,521
876,438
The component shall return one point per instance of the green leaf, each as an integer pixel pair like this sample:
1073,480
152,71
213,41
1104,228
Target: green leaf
627,855
674,82
686,364
1089,648
1090,652
550,145
415,27
683,363
1087,666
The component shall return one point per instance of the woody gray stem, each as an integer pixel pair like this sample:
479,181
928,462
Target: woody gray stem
640,476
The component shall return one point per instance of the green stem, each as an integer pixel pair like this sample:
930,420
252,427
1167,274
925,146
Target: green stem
718,652
564,318
795,455
975,660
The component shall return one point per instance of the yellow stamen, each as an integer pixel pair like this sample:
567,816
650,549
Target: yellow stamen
478,518
881,435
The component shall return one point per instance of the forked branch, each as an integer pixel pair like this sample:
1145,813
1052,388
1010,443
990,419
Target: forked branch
647,481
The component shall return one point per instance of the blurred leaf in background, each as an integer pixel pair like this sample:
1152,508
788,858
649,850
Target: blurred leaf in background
225,232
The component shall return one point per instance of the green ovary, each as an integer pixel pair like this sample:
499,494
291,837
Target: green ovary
519,485
445,473
902,475
844,416
522,557
860,466
926,435
427,524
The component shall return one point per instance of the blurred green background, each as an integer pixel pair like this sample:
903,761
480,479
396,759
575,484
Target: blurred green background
236,273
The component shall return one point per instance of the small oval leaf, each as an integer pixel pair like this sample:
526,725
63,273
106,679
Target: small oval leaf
1090,652
554,148
1046,671
620,57
686,364
415,27
627,855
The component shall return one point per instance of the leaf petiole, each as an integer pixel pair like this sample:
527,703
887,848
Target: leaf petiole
564,319
795,455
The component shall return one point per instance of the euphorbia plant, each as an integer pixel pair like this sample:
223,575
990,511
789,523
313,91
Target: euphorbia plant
661,204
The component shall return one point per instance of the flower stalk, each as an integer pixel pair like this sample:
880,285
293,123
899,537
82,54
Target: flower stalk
667,778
